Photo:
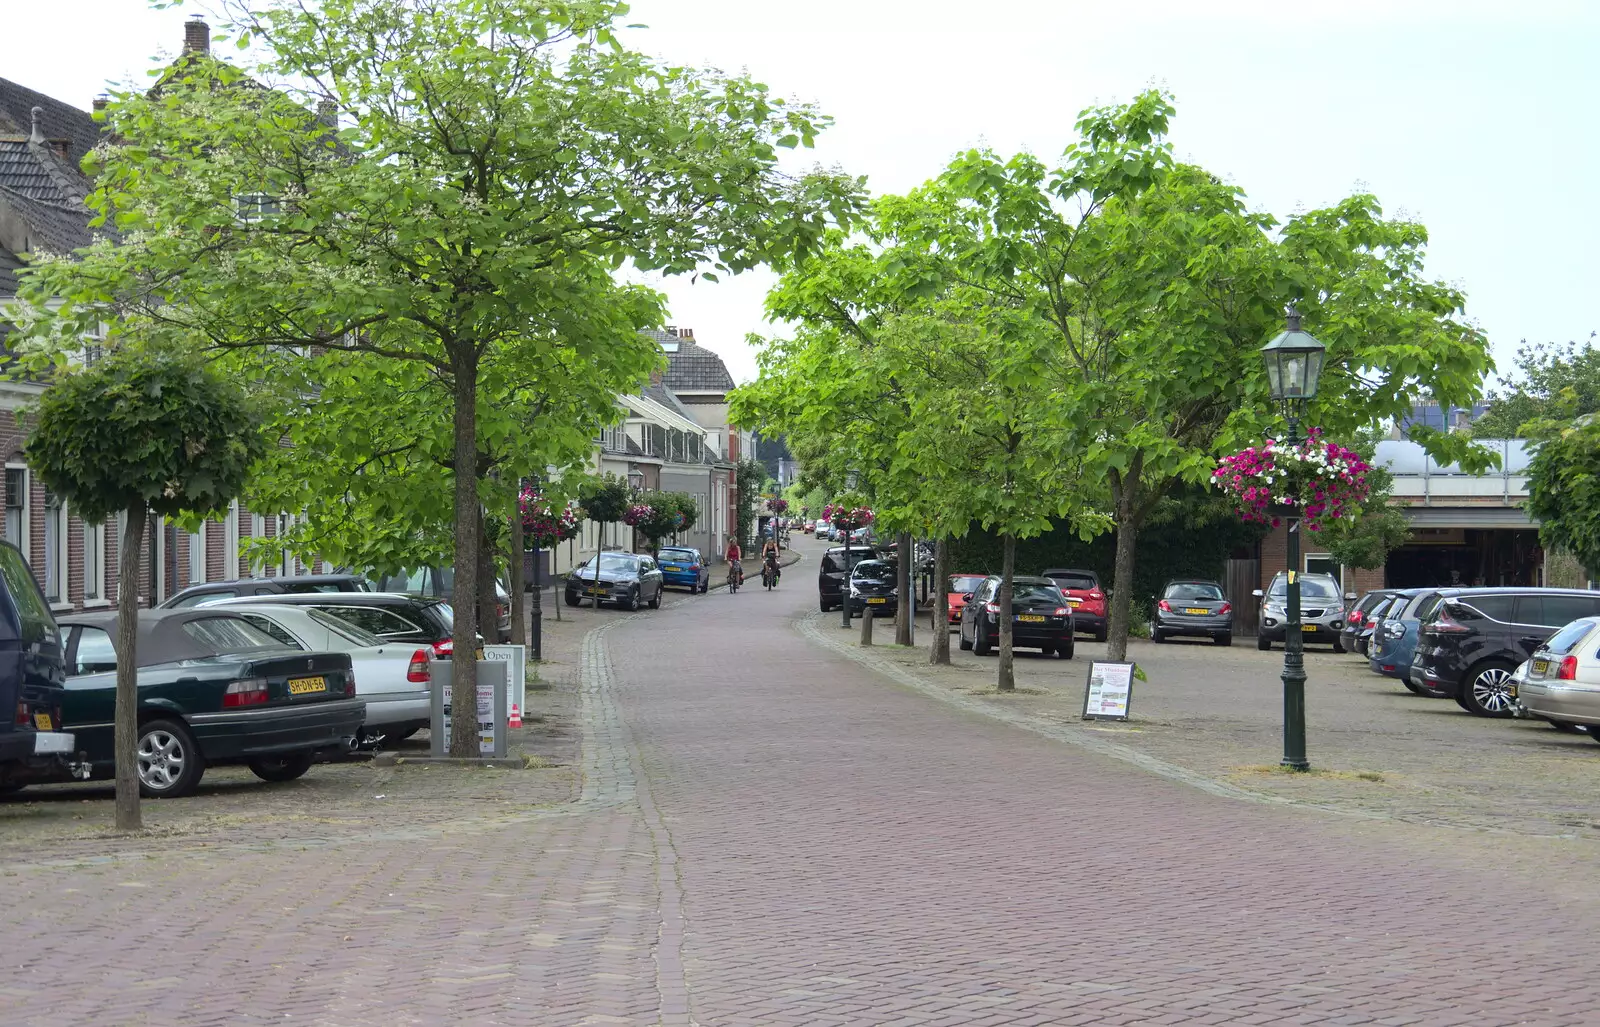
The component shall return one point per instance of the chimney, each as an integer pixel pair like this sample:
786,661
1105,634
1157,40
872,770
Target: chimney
686,333
36,131
672,331
328,113
196,36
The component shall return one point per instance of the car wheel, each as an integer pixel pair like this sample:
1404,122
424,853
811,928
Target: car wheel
573,600
402,733
633,598
284,767
1338,645
1263,644
1224,639
1486,691
1157,636
822,604
655,604
705,586
1593,733
1102,635
1064,652
11,787
961,640
1407,682
170,764
1564,725
980,641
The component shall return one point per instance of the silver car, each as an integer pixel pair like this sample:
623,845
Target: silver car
1561,683
1321,610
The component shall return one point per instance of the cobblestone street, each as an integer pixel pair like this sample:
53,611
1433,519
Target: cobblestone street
764,830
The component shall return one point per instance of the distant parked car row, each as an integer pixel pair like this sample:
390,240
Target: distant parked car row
629,580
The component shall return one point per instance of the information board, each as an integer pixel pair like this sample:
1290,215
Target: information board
492,702
1109,692
517,656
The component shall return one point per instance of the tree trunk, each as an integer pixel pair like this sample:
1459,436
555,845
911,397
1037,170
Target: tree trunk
903,610
464,639
940,650
488,595
1008,565
1125,493
519,614
125,739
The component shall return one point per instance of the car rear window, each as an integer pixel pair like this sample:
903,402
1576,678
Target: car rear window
1569,637
1079,582
229,635
1424,606
344,629
678,556
205,597
1310,588
1031,590
35,621
376,620
1193,590
967,583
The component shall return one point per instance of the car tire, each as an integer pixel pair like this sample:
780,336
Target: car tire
1102,634
1407,682
961,641
1157,636
980,641
1224,639
573,600
655,604
822,604
1064,652
402,733
284,767
705,586
1593,733
1263,643
1563,725
170,764
1484,691
1338,645
11,787
633,599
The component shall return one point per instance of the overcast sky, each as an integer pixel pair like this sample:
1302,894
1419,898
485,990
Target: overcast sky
1477,118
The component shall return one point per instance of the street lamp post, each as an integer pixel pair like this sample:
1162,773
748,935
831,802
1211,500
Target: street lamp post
1294,363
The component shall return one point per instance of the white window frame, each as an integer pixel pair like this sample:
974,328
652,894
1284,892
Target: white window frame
55,575
25,529
258,529
1338,568
230,543
285,558
198,556
94,565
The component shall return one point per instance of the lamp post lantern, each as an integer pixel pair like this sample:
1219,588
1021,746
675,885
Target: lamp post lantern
1294,363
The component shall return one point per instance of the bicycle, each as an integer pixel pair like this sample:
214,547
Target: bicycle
735,577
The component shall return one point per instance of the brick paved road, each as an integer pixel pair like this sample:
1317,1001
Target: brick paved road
771,834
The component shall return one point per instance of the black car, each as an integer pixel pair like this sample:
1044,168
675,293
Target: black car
33,746
1040,617
1193,607
440,583
389,615
625,579
1361,618
874,588
194,595
830,575
1476,637
213,688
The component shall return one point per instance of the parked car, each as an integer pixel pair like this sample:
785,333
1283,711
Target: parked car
684,567
1088,599
33,672
392,678
874,588
1561,683
1193,607
1477,636
1041,617
831,571
961,585
1321,610
213,689
402,619
440,583
1394,639
1358,619
209,591
625,579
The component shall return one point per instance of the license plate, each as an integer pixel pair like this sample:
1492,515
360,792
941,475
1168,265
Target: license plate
305,686
1541,666
671,567
1196,609
1030,618
42,722
597,591
1513,689
1075,602
1308,627
879,599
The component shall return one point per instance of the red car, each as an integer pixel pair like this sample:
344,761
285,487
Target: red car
962,585
1082,589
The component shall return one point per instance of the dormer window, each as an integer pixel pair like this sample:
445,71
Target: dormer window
253,207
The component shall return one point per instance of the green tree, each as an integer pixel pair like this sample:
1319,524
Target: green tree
1554,384
1564,492
605,501
477,172
670,513
141,431
749,476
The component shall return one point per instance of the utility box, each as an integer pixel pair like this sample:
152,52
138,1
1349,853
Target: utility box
493,687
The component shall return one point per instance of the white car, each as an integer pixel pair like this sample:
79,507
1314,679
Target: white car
1561,683
394,678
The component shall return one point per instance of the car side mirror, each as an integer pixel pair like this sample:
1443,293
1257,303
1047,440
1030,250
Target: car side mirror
1351,596
1257,593
966,597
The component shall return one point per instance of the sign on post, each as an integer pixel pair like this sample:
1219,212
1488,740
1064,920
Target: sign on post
492,706
1109,692
517,657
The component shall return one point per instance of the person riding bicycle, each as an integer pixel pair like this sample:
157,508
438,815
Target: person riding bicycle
735,568
769,559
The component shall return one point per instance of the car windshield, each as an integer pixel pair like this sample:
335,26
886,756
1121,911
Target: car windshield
1077,582
1569,637
872,569
612,563
1196,590
678,556
962,584
229,635
1310,588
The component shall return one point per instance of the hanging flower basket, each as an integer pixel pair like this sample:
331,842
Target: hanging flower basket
842,516
1318,481
777,506
637,514
543,525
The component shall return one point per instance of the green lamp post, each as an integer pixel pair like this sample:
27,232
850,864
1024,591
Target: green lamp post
1294,363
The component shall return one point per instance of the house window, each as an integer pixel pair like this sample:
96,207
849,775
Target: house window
1323,563
17,507
285,558
55,548
197,556
253,207
94,562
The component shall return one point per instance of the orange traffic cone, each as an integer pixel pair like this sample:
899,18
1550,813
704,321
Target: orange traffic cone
516,717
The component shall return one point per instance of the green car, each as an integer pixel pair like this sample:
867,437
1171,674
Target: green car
213,688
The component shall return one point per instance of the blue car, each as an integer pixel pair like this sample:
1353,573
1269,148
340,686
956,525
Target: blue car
683,567
1394,642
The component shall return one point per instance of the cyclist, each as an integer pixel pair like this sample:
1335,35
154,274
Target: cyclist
735,568
769,558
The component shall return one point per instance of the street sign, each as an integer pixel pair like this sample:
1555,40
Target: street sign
1109,691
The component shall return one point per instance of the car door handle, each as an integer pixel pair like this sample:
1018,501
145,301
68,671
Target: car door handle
1533,639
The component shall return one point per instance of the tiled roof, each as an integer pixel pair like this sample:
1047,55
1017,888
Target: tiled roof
57,120
690,367
59,228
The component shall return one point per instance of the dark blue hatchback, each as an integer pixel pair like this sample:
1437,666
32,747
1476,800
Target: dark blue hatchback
683,567
33,676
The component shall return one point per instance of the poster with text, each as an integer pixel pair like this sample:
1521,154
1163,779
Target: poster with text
1109,692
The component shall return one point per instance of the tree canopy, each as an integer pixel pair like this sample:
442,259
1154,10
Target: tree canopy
1553,385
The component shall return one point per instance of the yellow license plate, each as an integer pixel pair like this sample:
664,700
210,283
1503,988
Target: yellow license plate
878,600
597,591
1030,618
42,722
1308,627
671,567
1075,602
1195,609
1513,690
1541,666
305,686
